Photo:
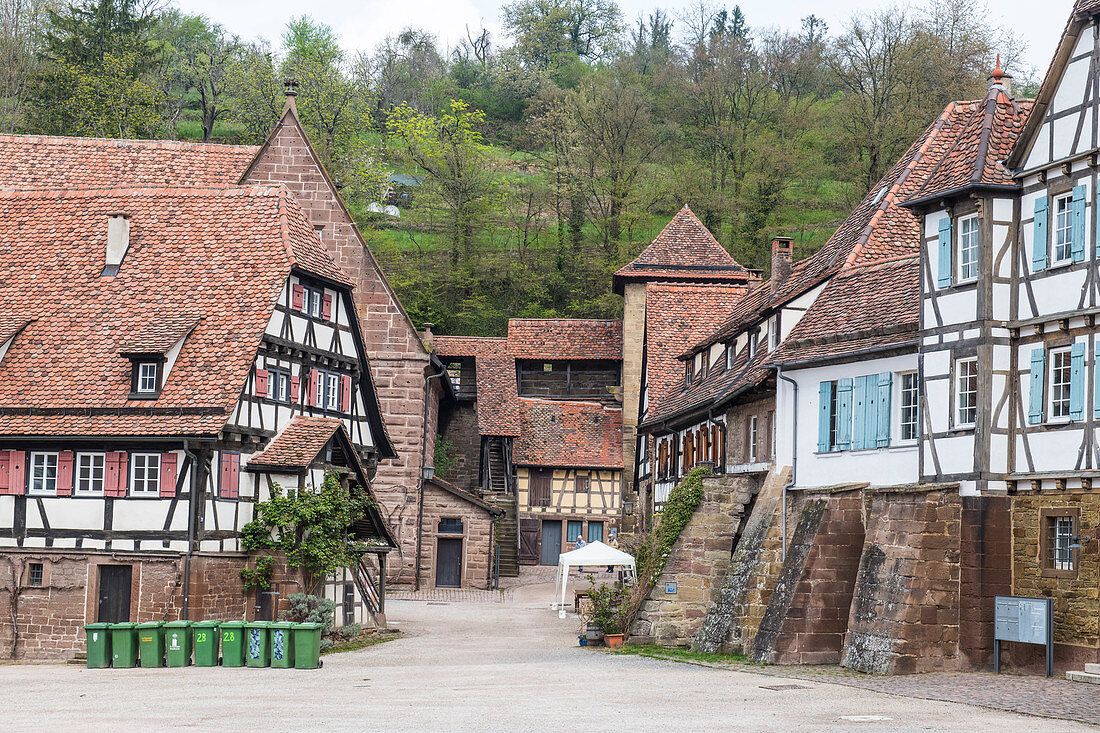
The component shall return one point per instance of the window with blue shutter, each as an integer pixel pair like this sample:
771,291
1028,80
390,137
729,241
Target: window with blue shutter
843,414
1039,236
1078,248
1038,370
825,416
1077,382
885,385
945,268
859,413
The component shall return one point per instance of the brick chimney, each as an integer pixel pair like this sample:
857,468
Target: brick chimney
782,256
1000,79
426,335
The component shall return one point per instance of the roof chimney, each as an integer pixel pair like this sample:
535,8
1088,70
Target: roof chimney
426,335
1000,79
118,241
782,255
290,88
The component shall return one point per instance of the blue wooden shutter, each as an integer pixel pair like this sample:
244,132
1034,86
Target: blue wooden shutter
859,413
885,384
844,414
1038,371
1039,236
1096,381
1077,382
1078,248
824,415
944,279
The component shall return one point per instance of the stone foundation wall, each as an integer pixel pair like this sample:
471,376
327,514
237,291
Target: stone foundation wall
697,564
807,613
985,555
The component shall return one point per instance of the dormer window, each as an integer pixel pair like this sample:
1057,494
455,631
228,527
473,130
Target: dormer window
312,301
146,379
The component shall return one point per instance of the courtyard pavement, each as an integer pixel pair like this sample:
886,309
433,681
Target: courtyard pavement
499,666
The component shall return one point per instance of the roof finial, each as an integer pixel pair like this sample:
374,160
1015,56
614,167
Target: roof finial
1000,80
290,86
998,73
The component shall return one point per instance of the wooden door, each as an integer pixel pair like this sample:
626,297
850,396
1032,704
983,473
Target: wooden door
529,541
349,604
551,541
448,563
114,593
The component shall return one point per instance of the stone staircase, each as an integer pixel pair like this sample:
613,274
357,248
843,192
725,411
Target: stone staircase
81,658
1090,675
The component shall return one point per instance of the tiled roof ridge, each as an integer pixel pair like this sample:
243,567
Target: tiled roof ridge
568,320
879,263
52,192
80,140
891,193
467,495
582,403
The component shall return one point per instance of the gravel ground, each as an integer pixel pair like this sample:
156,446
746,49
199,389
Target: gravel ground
471,666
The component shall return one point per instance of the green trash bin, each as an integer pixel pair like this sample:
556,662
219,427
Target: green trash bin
258,644
307,645
124,645
98,645
151,643
177,643
282,644
232,633
206,637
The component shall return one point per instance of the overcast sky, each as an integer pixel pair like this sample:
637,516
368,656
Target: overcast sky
362,23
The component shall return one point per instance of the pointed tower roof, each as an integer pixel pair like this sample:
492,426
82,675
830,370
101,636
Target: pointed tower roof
684,251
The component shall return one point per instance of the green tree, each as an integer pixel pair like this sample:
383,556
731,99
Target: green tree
21,25
256,91
552,33
198,58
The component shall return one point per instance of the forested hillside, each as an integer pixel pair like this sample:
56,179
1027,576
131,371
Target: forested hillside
528,168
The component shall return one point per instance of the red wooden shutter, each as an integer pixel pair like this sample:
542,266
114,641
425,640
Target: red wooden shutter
65,473
295,388
230,475
17,484
297,296
5,471
116,474
345,393
326,307
261,382
314,387
168,475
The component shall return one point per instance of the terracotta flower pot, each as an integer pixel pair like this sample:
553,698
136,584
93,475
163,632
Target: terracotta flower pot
613,641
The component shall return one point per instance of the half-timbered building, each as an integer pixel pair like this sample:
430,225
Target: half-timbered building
170,355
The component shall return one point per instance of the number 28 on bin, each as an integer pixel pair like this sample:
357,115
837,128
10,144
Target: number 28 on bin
228,636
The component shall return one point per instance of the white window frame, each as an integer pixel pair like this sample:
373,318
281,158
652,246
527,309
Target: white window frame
960,421
332,390
313,301
1062,536
753,437
82,480
276,377
149,485
147,377
969,242
40,467
914,390
1063,224
1058,396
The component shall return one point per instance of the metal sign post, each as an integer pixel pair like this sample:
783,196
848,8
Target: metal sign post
1023,620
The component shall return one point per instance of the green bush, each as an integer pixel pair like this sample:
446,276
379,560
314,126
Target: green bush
350,631
310,609
609,608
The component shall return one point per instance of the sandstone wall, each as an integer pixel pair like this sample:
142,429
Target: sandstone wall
458,426
477,537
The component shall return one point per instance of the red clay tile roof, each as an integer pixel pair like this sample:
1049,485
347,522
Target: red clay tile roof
159,335
578,434
301,441
38,161
11,324
864,307
685,250
677,316
565,338
221,252
497,398
493,509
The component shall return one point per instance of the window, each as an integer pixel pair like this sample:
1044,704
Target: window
147,376
595,531
909,397
968,248
328,390
278,386
573,530
312,302
44,473
35,574
540,486
1060,383
729,356
582,482
752,438
771,435
966,392
834,422
1063,229
450,525
89,473
752,345
145,473
1057,551
1061,536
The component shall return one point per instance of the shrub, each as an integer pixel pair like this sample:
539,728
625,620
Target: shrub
350,631
326,645
313,609
609,609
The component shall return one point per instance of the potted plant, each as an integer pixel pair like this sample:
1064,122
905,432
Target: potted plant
609,613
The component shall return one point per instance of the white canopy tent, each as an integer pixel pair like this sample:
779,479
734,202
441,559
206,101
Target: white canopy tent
595,554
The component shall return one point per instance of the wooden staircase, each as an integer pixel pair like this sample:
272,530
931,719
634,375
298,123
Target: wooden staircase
500,492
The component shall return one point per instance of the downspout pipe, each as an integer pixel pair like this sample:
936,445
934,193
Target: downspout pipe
190,528
794,451
420,480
